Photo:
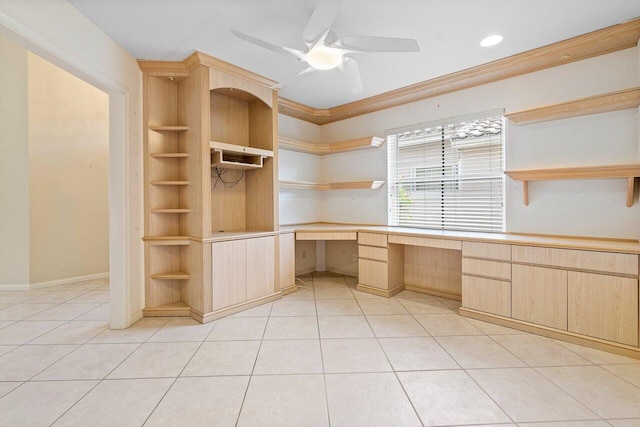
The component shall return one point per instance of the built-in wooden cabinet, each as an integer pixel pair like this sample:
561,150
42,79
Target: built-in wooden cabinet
211,189
380,265
539,295
486,277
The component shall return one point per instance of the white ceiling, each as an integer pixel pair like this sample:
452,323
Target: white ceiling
448,32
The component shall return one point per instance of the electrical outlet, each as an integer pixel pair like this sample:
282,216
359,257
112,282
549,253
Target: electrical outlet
354,256
304,254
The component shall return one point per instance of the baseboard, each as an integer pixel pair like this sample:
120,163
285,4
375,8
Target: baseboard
135,317
305,271
39,285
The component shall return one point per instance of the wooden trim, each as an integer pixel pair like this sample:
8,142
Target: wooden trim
607,40
304,185
630,172
434,292
621,349
200,58
286,143
169,155
174,309
380,292
613,101
227,311
163,68
289,290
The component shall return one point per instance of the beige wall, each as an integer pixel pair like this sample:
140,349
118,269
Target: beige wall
14,172
68,125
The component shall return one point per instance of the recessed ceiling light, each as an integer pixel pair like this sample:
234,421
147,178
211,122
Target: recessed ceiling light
491,40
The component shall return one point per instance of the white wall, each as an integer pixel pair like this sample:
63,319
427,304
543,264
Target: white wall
68,175
14,161
584,208
59,33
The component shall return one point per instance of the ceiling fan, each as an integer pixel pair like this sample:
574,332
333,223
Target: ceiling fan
325,51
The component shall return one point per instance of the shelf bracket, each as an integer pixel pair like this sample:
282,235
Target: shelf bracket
525,190
630,183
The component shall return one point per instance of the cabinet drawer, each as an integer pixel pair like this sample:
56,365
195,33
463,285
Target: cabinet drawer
479,267
328,235
426,242
607,262
370,252
539,295
372,239
490,296
373,273
486,250
604,307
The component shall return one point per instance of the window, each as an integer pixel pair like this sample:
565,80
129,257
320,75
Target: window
448,175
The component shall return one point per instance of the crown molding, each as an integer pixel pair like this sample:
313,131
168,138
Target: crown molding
607,40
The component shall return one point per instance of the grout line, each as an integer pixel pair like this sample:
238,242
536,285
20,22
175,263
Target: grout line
324,373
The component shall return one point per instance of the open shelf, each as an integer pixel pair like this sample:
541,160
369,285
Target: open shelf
628,172
169,155
613,101
168,240
170,211
292,144
231,156
169,128
169,182
174,309
355,185
174,275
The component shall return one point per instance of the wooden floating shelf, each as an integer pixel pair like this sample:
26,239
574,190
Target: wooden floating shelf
614,101
169,155
356,185
170,211
240,157
174,275
169,182
286,143
174,309
168,240
628,172
169,128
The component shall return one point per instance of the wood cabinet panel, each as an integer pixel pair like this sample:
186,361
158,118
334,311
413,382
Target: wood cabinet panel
607,262
479,267
260,267
433,269
370,252
287,260
373,273
372,239
490,296
539,295
333,235
426,242
486,250
603,307
228,273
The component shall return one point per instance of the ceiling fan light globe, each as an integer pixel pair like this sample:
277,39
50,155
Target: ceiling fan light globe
324,58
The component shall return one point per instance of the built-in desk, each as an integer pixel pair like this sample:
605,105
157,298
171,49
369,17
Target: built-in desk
580,290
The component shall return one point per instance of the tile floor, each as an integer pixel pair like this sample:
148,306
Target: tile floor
325,355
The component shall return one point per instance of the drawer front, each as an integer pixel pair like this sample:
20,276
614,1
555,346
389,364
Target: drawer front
606,262
604,307
372,239
539,295
371,252
373,273
486,250
333,235
487,295
426,241
479,267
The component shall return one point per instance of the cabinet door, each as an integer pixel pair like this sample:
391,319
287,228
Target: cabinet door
539,295
287,260
604,307
488,295
229,273
373,273
260,267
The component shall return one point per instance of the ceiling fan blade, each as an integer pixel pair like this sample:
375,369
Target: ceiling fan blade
377,44
352,73
288,52
321,20
300,76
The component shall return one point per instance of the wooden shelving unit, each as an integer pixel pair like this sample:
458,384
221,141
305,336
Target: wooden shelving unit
628,172
321,149
174,309
169,128
174,275
620,100
355,185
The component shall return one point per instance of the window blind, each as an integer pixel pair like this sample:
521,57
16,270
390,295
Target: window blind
448,174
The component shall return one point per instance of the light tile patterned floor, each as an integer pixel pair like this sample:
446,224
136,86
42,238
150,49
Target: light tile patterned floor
326,355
